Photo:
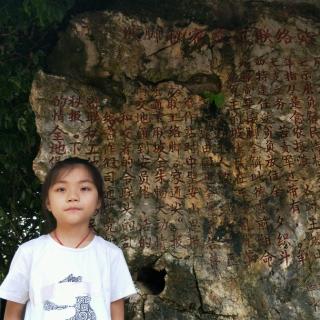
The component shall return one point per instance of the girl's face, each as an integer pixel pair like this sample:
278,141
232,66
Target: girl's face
73,197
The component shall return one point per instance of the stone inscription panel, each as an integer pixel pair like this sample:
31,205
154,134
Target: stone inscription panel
218,166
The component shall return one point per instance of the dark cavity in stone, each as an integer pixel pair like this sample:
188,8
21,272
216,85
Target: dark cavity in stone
152,279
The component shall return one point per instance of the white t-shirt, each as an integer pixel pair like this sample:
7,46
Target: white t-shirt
58,282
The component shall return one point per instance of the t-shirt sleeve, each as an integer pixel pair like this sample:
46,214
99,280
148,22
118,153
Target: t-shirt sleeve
15,287
121,282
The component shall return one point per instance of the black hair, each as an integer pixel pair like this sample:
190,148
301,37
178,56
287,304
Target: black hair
52,176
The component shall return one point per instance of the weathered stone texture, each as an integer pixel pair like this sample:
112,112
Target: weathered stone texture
208,141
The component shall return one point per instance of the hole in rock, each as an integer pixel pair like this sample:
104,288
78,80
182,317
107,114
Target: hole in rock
152,279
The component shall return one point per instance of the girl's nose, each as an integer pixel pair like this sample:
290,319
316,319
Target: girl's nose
72,196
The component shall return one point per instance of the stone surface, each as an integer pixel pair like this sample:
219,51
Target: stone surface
207,136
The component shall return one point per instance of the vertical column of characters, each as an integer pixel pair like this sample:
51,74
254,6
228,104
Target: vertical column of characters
66,115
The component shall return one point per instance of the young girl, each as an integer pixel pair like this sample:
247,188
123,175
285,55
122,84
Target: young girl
70,273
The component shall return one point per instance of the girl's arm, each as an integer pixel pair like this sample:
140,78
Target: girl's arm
13,311
117,310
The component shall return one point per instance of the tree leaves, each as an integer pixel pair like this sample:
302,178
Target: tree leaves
47,12
25,25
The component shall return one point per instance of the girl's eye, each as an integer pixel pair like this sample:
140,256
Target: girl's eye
85,189
61,189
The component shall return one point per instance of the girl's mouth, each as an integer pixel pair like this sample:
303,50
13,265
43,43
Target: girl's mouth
73,209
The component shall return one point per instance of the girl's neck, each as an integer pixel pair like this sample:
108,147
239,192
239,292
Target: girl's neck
73,237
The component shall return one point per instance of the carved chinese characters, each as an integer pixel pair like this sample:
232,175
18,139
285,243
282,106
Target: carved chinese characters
208,141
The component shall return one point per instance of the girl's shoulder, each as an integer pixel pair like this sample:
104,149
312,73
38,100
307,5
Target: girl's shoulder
111,247
27,250
34,243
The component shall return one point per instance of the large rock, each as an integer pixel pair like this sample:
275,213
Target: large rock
207,136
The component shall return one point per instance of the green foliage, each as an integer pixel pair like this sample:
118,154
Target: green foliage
216,98
47,12
25,31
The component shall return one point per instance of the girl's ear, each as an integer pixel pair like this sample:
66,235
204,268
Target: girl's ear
99,204
48,205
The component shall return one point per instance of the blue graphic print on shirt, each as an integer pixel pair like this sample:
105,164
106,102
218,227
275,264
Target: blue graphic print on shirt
83,310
